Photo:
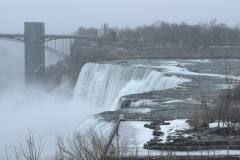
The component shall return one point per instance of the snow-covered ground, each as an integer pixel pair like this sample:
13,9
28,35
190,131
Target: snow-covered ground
215,124
170,130
133,135
136,133
143,102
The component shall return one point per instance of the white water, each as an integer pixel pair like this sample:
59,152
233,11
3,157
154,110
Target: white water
45,114
104,84
48,114
143,102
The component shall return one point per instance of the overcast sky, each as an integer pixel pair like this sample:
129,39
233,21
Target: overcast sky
65,16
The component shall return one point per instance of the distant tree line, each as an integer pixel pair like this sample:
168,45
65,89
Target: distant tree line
183,35
163,34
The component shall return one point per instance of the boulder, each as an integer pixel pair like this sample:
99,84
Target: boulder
154,123
149,126
166,123
158,133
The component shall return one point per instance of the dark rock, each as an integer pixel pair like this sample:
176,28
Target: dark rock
204,125
158,133
154,123
150,143
221,131
153,140
149,126
157,127
180,139
156,138
159,140
166,123
125,103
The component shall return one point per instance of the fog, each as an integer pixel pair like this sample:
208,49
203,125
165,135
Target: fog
45,114
66,16
12,63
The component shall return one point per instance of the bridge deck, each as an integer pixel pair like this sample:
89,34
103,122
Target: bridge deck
19,37
49,37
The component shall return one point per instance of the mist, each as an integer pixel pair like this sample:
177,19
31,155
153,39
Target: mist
46,114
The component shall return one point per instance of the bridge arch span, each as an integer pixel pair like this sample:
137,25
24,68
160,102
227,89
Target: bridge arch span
57,52
36,42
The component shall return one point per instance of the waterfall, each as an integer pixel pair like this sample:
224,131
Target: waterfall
104,84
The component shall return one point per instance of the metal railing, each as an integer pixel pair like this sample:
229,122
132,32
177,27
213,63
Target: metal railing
189,151
167,117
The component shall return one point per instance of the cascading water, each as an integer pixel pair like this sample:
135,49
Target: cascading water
104,84
47,114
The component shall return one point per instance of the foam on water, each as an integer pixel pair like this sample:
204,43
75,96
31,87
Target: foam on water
104,84
48,114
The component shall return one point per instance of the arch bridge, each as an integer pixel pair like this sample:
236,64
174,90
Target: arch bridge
36,41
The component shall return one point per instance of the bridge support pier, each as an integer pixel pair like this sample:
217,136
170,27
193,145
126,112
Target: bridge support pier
34,52
34,38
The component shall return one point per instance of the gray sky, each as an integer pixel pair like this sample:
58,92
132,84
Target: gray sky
65,16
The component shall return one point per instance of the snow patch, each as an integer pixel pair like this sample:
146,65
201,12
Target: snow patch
134,132
215,124
170,130
225,86
188,100
173,101
143,102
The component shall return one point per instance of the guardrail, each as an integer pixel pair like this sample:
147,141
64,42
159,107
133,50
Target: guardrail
191,151
160,117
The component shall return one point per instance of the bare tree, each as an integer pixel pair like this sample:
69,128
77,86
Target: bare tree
205,109
31,151
228,108
77,146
